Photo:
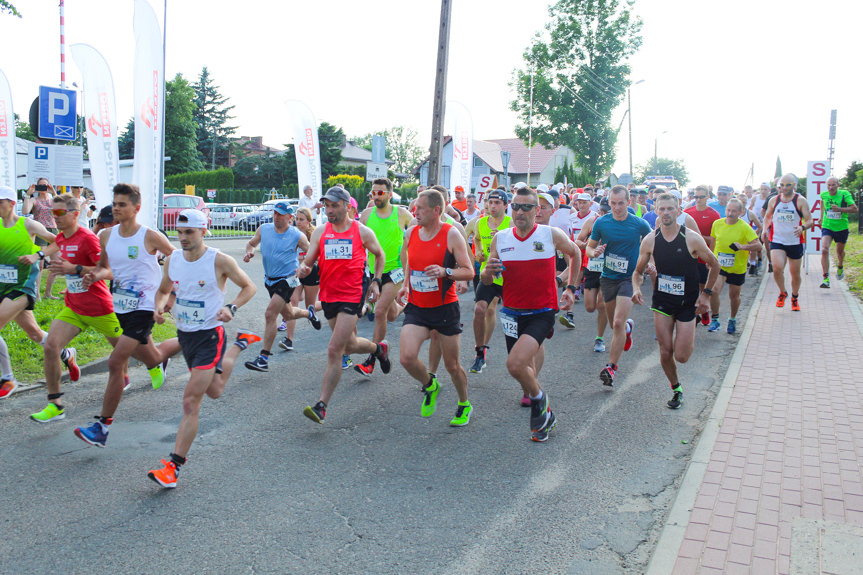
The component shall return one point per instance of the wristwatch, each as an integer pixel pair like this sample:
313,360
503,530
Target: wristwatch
448,272
572,288
708,291
41,254
78,269
232,308
378,281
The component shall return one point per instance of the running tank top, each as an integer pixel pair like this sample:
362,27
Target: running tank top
785,219
137,274
390,235
14,275
757,204
529,269
279,252
676,269
576,222
341,264
199,298
425,291
485,233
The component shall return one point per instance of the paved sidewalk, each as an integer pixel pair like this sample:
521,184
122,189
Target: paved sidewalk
776,482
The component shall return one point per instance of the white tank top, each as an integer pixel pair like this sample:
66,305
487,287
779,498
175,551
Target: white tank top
757,204
785,219
576,222
199,298
137,274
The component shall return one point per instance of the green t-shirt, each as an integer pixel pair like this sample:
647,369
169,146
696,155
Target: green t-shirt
390,235
732,262
14,275
835,221
485,234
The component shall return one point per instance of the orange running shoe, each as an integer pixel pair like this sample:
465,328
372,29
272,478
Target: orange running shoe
72,364
795,305
781,301
167,476
246,338
7,387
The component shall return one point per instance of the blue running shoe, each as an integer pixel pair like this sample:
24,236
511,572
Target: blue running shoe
732,325
347,362
92,434
714,325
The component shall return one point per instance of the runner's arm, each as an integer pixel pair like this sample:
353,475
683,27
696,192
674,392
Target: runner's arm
493,265
645,254
371,243
155,242
564,245
458,246
251,245
102,270
303,242
227,267
164,293
807,222
305,268
403,292
35,228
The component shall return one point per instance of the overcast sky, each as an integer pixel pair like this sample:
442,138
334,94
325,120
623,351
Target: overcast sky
731,83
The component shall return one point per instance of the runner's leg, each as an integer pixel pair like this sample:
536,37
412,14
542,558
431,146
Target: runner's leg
778,258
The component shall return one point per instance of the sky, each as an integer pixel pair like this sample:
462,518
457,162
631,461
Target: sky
725,85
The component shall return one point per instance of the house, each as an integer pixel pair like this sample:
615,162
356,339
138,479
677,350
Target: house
253,146
355,156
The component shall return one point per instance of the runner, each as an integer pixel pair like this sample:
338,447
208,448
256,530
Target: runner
836,204
723,194
525,257
757,205
18,288
198,274
279,242
340,247
592,272
618,238
734,240
676,298
308,288
704,217
472,212
577,220
39,201
787,218
487,296
435,257
388,222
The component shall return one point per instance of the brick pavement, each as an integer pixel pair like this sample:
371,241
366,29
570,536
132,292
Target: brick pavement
790,444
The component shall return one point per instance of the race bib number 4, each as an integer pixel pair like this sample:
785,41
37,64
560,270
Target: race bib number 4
617,264
672,285
397,275
125,300
338,249
595,264
422,283
726,260
190,312
75,284
509,326
8,274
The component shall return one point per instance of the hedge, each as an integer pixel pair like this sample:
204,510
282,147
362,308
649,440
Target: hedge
206,180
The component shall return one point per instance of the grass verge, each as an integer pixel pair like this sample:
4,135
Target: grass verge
27,357
854,263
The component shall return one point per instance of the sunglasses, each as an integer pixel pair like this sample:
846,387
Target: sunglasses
378,193
523,207
786,185
700,197
59,213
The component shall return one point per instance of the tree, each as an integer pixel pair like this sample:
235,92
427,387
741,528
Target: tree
662,167
212,116
126,141
23,130
847,183
180,137
7,8
262,172
579,78
402,147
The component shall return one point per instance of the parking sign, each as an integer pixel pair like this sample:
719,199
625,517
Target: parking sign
57,113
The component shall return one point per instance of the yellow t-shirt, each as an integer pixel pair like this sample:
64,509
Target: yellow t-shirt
732,262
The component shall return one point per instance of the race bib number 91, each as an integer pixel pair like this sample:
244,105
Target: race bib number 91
617,264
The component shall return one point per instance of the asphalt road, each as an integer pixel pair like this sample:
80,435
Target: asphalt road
377,488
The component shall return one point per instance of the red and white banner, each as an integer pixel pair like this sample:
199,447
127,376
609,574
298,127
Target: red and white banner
149,101
816,182
459,120
100,113
8,175
306,145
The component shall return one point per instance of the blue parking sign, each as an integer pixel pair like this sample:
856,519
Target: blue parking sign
57,113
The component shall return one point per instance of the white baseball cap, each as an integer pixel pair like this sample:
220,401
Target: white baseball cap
7,193
542,188
520,185
585,197
193,219
546,197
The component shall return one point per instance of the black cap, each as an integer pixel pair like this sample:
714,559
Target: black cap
337,194
498,195
106,216
604,205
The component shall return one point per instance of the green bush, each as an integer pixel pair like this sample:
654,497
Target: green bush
407,191
206,180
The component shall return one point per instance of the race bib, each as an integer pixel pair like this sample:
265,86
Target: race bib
670,284
397,275
75,284
8,274
125,300
422,283
726,260
338,249
293,282
617,264
833,215
595,264
190,312
509,325
785,217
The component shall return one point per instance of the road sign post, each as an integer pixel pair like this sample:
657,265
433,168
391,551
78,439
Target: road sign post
57,113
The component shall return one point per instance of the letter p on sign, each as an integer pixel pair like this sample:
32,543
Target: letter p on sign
58,105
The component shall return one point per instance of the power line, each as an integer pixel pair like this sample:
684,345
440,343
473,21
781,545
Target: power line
584,102
595,75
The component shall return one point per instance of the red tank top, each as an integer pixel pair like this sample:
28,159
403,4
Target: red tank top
426,291
341,264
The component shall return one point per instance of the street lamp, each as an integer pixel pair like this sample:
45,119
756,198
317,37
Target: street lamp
655,154
629,112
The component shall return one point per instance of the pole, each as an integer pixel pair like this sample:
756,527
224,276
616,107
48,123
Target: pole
161,211
62,45
530,128
629,113
436,148
655,156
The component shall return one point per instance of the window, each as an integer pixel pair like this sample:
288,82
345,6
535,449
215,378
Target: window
172,202
477,162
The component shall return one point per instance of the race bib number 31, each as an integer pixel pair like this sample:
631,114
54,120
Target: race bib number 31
338,249
8,274
672,285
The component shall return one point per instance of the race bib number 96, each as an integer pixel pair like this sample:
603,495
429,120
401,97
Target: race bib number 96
672,285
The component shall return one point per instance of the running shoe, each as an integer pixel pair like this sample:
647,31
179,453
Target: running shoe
165,365
126,382
770,268
676,399
525,400
430,398
313,319
71,363
7,388
478,364
369,312
781,301
384,357
284,325
286,344
752,269
598,345
714,324
732,325
825,283
541,436
94,435
246,338
462,414
347,362
50,413
367,367
795,305
840,273
157,376
607,376
316,412
167,476
260,363
539,413
566,320
629,325
705,318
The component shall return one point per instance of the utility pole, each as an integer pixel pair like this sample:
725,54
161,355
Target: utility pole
629,113
436,148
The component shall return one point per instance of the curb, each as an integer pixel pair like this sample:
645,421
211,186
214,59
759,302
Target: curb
665,555
93,368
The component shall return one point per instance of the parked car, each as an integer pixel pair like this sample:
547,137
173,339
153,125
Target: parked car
263,214
173,204
229,215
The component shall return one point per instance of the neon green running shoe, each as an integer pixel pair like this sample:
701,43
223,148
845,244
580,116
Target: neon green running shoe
462,414
157,376
430,398
50,413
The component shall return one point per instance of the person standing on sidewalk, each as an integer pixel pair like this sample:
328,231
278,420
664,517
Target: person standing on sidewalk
340,247
129,258
677,295
836,204
787,219
279,241
197,274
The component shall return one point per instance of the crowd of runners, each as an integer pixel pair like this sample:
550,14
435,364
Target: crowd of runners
529,254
